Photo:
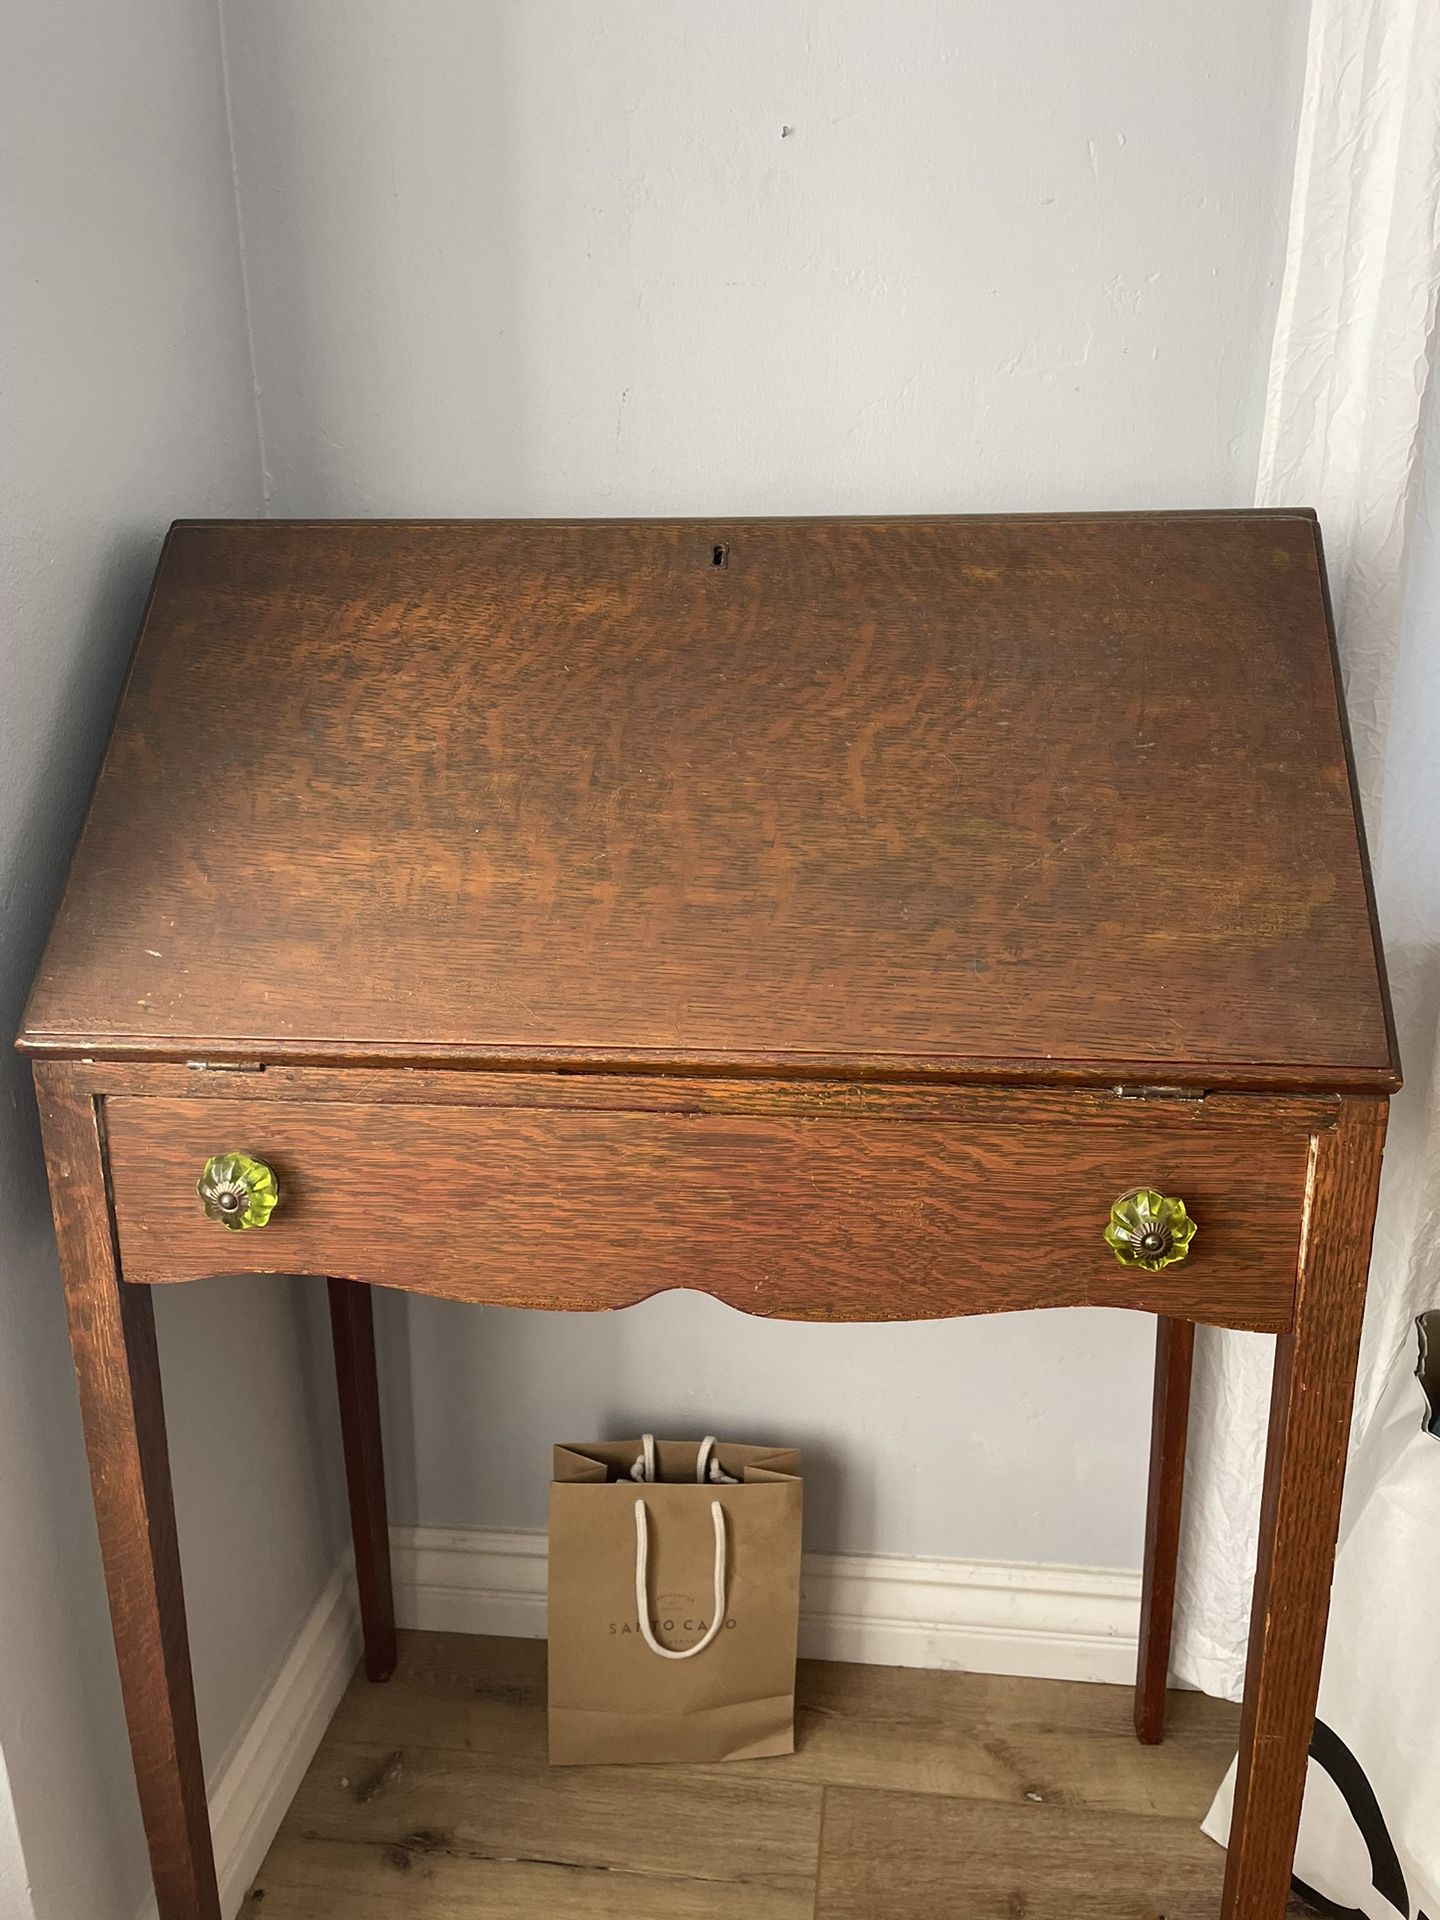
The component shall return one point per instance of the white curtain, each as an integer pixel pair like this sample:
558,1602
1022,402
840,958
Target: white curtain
1346,432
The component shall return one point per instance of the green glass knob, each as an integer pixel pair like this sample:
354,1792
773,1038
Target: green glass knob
238,1191
1149,1230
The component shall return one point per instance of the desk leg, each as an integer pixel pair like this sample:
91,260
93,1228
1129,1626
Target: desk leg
1300,1511
1174,1362
112,1332
353,1324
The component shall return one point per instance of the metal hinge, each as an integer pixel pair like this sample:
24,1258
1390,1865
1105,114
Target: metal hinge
226,1066
1160,1093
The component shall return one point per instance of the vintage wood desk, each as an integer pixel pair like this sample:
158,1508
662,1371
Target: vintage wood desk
839,917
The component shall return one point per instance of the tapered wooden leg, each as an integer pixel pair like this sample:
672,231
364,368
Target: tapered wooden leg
1300,1512
1174,1362
353,1322
112,1331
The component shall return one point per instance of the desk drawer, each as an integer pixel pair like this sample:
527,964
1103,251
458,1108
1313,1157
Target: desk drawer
800,1215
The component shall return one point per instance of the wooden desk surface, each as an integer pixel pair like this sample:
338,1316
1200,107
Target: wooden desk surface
1024,798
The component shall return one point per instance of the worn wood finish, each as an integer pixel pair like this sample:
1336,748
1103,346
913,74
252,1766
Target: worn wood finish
1017,796
431,1799
352,1323
1300,1512
112,1330
1170,1425
811,1218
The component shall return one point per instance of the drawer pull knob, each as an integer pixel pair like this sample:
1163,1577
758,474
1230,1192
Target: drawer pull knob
238,1191
1149,1229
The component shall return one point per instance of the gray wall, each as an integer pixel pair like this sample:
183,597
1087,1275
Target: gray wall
560,257
127,400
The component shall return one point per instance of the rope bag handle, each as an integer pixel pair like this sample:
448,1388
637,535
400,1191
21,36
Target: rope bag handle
708,1470
642,1584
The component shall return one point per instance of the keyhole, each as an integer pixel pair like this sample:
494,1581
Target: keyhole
719,556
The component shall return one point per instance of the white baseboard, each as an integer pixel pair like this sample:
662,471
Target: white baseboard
973,1616
251,1789
977,1616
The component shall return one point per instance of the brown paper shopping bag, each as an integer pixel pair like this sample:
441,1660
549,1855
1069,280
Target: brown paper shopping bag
675,1676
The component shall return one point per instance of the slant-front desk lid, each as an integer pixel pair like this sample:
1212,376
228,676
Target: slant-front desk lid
1023,798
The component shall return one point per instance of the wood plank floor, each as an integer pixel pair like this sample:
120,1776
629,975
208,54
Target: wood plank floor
912,1796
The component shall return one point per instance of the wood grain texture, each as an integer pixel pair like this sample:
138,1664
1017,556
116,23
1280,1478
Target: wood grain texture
1169,1429
112,1332
895,1856
1300,1512
813,1218
976,1737
677,1823
419,1880
352,1323
389,1822
1028,797
944,1793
